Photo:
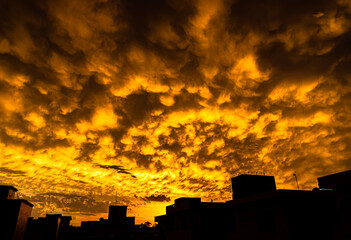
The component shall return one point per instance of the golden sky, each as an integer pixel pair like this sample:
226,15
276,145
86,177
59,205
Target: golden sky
160,99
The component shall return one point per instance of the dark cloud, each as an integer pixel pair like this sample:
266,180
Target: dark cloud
119,169
12,171
137,107
270,127
157,198
273,17
186,101
144,18
92,93
143,160
87,149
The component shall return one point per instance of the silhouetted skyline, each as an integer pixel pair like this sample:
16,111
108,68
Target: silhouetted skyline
257,211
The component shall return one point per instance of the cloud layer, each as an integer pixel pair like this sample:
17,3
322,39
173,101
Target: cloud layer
158,99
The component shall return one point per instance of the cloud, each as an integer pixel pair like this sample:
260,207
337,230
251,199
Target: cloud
11,171
157,198
87,149
69,203
119,169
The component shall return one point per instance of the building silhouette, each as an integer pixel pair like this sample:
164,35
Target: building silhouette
246,185
51,227
117,226
14,214
340,184
283,214
259,211
189,218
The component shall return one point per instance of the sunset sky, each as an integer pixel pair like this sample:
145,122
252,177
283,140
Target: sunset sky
159,99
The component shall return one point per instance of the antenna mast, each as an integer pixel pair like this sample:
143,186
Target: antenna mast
297,183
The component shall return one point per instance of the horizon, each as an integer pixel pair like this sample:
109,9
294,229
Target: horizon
141,219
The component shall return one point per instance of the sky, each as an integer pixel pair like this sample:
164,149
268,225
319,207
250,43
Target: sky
141,102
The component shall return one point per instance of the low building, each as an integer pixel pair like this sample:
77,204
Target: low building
50,227
14,214
247,185
191,219
340,184
259,211
283,214
117,226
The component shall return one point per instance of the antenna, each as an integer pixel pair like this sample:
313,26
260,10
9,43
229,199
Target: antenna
297,183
